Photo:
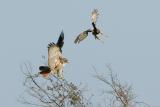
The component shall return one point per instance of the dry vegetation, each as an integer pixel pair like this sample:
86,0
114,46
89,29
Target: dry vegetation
53,92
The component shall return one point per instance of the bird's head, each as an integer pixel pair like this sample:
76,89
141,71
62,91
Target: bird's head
64,61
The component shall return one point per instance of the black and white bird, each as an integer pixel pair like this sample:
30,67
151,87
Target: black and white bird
95,31
56,61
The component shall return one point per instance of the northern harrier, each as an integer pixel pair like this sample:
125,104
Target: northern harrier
56,61
95,31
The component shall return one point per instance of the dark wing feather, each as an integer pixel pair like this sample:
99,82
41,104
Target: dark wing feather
76,40
51,44
94,26
60,41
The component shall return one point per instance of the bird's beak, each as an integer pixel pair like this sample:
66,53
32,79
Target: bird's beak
68,61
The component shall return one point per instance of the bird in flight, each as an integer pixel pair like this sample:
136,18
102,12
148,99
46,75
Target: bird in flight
95,31
56,61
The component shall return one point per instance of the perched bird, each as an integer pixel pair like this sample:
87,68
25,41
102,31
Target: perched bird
56,61
95,31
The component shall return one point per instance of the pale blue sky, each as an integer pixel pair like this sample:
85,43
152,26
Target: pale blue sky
27,26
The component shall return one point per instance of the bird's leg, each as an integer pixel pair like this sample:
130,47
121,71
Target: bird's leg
99,39
104,35
58,74
61,74
96,37
53,72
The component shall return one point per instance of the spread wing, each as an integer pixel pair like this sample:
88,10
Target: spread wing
53,55
82,36
60,41
95,15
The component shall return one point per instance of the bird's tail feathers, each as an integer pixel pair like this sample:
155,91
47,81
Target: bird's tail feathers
44,71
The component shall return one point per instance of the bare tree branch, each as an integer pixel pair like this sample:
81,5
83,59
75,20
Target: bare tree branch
54,93
121,94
